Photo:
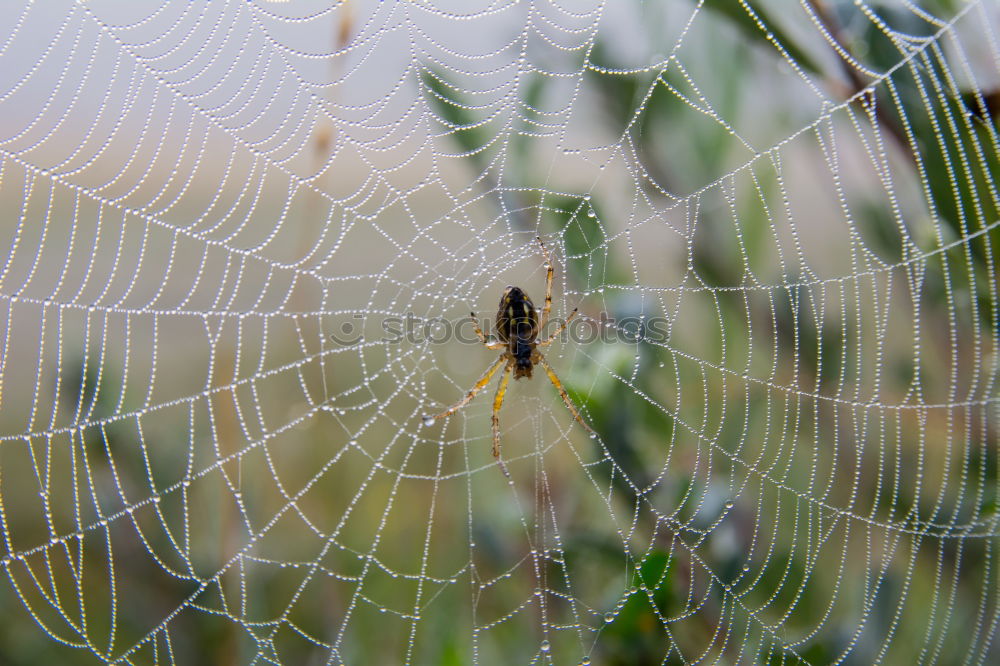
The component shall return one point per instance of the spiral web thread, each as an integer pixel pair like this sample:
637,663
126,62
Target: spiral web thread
199,198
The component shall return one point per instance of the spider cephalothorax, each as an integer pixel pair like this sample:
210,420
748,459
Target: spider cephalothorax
517,328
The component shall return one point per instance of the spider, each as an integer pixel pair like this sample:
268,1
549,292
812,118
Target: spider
517,327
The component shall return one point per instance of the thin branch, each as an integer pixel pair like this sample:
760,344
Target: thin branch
857,82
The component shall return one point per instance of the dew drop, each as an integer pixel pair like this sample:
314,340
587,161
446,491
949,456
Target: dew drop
545,646
585,661
428,420
609,617
730,504
593,435
352,442
662,364
591,212
746,567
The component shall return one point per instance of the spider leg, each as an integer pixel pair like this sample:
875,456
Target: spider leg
549,271
483,381
562,327
562,393
497,402
482,336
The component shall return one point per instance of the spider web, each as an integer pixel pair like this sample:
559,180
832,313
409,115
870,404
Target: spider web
777,222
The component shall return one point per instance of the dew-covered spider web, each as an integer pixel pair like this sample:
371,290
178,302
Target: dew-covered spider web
241,241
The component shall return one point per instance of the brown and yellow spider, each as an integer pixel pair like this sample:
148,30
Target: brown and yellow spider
517,327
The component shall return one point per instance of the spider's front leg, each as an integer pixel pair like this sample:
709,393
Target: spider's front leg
549,271
547,341
482,336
